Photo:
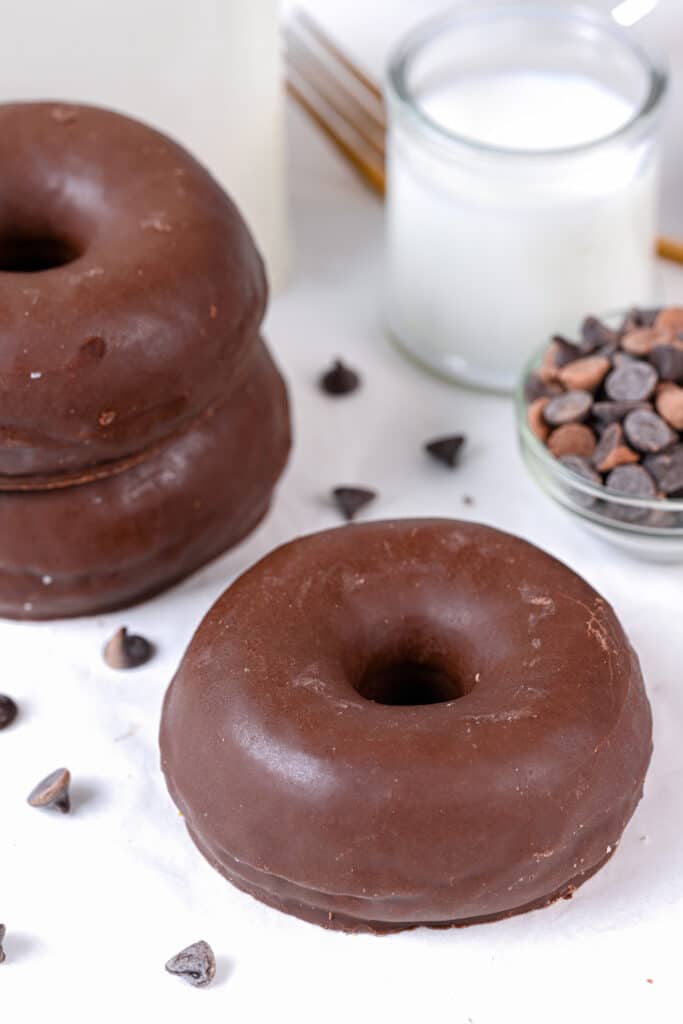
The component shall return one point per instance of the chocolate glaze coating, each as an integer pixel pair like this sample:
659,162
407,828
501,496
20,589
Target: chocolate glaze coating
108,543
369,816
120,347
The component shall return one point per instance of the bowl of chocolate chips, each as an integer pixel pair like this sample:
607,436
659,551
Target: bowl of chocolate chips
600,421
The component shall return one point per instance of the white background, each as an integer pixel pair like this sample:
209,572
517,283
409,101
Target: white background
97,901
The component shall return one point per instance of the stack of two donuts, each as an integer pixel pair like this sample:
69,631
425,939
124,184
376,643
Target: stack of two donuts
143,424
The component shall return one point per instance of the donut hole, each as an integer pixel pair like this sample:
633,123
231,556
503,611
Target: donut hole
409,683
26,253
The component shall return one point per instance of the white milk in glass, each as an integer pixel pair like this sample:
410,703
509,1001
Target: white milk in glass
517,204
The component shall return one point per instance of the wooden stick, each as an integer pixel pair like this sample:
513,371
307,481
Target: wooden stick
670,249
324,40
372,172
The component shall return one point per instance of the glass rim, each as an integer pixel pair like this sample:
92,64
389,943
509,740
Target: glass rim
419,38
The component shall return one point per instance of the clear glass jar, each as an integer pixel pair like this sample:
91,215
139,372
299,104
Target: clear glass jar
523,173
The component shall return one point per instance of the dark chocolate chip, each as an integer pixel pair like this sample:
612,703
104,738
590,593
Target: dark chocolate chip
53,791
667,469
639,318
632,480
339,380
578,464
668,361
350,500
446,449
3,932
565,351
535,387
595,334
571,407
611,412
647,431
8,711
611,450
633,381
126,650
196,964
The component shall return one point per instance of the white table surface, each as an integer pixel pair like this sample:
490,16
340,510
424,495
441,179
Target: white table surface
95,902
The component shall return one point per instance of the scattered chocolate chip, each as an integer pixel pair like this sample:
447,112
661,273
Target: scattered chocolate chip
634,481
572,439
3,932
668,362
196,963
670,319
8,711
612,450
340,379
571,407
669,404
537,423
667,470
595,334
467,499
350,500
126,650
446,449
647,431
585,374
631,382
53,791
610,412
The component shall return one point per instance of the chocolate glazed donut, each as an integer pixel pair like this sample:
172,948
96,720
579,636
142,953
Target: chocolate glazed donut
127,280
143,424
120,539
403,723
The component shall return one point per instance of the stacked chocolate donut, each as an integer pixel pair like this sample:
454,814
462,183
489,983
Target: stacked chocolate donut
143,424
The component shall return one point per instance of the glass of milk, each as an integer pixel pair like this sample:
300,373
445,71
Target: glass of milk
522,182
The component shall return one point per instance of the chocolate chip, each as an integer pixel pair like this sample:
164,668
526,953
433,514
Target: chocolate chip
572,439
647,431
196,963
667,470
631,382
568,408
633,481
577,464
340,379
668,361
594,334
8,711
670,319
534,417
446,449
642,340
612,451
126,650
535,387
610,412
350,500
669,404
564,351
638,318
585,374
53,791
3,932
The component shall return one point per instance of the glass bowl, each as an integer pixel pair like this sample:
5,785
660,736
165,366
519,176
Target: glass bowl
650,528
